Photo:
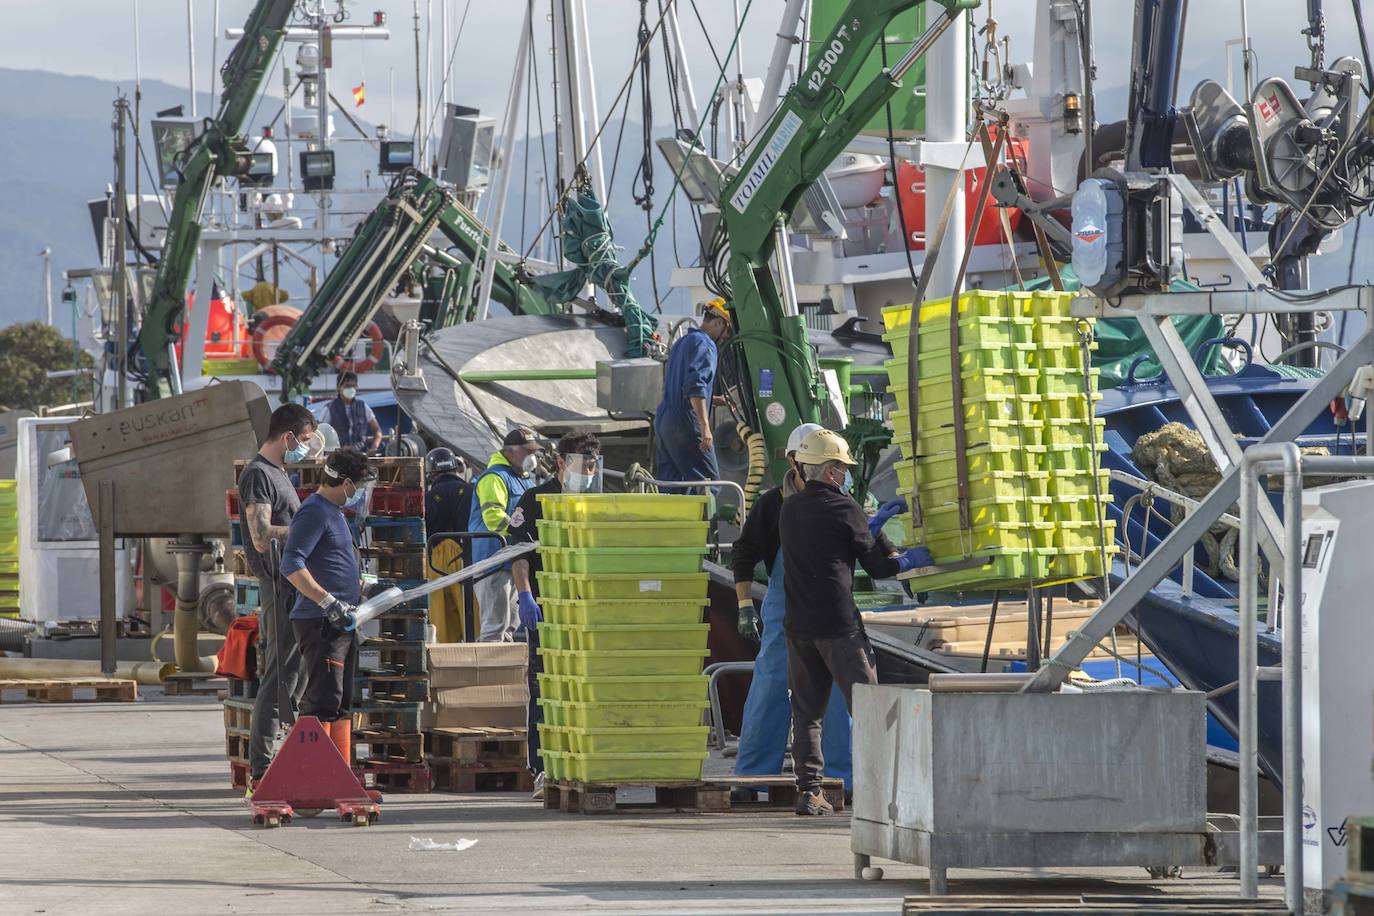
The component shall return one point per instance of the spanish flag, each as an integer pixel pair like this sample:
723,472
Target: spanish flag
359,94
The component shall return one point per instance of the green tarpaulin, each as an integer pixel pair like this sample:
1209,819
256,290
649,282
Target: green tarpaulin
1121,340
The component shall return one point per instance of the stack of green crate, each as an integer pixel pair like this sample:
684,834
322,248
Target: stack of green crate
622,641
9,549
1037,494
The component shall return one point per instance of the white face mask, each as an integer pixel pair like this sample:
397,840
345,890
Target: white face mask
529,464
348,394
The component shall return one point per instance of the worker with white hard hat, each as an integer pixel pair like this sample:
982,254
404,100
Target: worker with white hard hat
767,712
823,534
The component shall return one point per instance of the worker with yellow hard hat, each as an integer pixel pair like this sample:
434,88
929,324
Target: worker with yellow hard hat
824,533
685,448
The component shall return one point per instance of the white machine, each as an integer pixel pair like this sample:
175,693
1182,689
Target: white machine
1337,677
58,552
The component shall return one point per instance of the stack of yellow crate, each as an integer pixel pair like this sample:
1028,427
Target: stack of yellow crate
9,549
622,641
1037,494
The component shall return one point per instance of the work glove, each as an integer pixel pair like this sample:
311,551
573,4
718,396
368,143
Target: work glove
339,613
530,614
886,511
749,621
914,558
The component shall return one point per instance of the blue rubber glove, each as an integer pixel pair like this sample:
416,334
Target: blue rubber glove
914,558
530,614
886,511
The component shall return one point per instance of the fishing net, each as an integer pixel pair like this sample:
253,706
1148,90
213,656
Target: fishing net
590,245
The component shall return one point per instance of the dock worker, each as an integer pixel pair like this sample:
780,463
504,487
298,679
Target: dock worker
823,534
352,418
496,493
322,563
578,457
685,448
446,510
767,711
268,502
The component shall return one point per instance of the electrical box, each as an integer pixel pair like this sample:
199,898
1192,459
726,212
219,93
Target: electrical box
465,148
171,460
629,386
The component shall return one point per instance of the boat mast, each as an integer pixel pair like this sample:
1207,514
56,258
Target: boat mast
947,122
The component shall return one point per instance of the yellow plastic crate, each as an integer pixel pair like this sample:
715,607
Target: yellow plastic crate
552,534
623,507
657,714
623,587
554,636
1077,406
948,544
1007,569
625,534
688,739
1079,484
985,485
1065,357
1060,332
1087,536
635,689
1077,458
985,303
623,768
637,636
1074,432
978,414
552,738
643,560
993,434
1053,381
658,611
983,383
625,663
934,360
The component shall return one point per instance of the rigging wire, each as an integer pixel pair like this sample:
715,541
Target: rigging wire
706,33
448,70
896,186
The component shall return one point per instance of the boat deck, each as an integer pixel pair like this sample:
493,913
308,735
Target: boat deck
125,808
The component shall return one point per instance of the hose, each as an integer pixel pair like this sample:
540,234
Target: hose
12,633
757,447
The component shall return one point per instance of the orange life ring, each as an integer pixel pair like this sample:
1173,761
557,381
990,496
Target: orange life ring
375,351
271,330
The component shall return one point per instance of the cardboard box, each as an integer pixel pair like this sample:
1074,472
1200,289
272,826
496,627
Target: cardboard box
459,665
499,706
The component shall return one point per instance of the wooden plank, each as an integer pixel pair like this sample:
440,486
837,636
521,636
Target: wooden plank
65,690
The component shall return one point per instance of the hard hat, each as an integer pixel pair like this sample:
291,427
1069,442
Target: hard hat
440,461
715,309
794,440
824,445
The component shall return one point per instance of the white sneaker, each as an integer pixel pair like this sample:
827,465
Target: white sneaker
538,786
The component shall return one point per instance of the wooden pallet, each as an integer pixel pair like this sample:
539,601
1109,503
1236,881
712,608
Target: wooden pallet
413,688
474,745
576,797
194,685
236,741
453,776
1088,905
388,747
238,774
238,714
395,776
69,690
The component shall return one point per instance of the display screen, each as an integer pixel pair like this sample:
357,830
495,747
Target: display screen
261,167
398,154
170,138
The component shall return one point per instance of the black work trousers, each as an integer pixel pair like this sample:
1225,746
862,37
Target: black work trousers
329,659
813,666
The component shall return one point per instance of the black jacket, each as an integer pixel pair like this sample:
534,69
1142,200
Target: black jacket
758,540
824,532
446,502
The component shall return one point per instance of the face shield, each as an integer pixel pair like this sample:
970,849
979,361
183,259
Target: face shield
359,502
325,441
581,474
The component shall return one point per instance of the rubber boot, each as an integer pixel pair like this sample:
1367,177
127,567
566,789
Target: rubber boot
341,733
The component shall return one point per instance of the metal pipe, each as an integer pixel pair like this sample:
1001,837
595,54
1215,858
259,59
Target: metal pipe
777,64
945,44
185,624
1292,679
786,281
498,203
689,484
146,673
1011,682
1169,496
684,81
716,671
1248,758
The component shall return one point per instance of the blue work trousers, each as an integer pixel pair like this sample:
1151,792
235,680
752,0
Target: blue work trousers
678,454
768,710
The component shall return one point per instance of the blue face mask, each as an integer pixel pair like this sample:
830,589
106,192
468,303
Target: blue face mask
299,453
848,485
356,500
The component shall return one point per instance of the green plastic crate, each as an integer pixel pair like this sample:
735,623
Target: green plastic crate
935,360
992,434
1009,569
1074,432
555,763
989,383
978,413
9,567
1078,458
553,687
633,534
629,768
984,485
598,741
1066,381
552,534
554,636
637,636
598,613
1086,536
553,738
658,714
1058,331
1080,484
623,507
623,587
655,688
625,662
624,560
1077,406
947,543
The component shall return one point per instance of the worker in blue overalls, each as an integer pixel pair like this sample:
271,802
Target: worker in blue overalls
685,448
767,710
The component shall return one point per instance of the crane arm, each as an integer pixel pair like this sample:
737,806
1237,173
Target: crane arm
815,121
217,151
389,242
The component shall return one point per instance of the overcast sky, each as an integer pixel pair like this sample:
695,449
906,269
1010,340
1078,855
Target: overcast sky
96,38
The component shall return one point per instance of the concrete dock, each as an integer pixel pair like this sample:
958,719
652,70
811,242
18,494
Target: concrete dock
117,808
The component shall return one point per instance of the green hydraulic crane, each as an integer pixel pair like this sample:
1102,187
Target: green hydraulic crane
389,243
218,151
817,118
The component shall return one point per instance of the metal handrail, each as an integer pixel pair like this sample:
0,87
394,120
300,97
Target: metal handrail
716,672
